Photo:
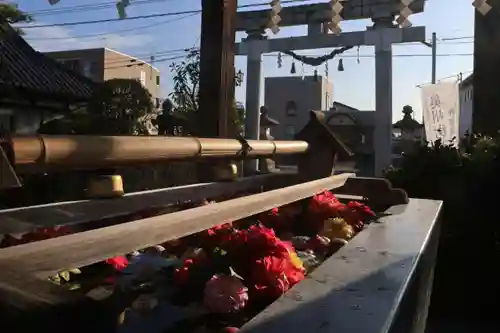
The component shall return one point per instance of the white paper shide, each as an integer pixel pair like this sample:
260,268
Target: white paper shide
441,109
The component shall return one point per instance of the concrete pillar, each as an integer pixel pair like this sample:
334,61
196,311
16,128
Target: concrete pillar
383,101
252,105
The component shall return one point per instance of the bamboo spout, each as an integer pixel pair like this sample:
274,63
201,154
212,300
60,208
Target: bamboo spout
83,152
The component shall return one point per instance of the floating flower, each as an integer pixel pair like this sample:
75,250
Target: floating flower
295,260
272,276
361,208
118,263
262,241
182,274
319,243
217,236
225,294
337,228
323,206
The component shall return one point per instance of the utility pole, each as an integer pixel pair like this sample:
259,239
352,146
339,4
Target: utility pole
434,57
433,46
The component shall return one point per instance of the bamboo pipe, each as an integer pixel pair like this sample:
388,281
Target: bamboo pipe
112,151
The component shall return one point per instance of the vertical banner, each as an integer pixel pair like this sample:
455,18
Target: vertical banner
441,110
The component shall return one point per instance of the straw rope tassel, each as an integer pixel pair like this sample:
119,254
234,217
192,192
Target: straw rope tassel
337,8
275,19
404,13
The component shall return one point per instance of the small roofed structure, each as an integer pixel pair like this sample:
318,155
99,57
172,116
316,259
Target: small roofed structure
325,148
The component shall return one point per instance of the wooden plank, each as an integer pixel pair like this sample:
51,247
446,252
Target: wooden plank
25,219
358,289
88,247
29,303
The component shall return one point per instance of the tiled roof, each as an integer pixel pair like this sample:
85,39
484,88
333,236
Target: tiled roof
21,67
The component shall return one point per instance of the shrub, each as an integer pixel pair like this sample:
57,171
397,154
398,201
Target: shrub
468,181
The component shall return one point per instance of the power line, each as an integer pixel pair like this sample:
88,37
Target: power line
67,24
116,31
88,7
194,11
128,62
457,38
457,75
146,63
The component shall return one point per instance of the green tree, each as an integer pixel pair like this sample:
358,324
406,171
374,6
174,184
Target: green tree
185,94
11,14
120,106
117,107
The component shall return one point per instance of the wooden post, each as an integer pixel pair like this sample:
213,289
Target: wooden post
217,66
486,81
216,76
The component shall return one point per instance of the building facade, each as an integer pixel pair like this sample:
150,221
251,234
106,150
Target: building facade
103,64
466,91
290,98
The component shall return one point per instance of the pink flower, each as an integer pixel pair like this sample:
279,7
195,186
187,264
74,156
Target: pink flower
225,294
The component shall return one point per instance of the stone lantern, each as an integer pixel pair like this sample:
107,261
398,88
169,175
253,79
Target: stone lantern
266,122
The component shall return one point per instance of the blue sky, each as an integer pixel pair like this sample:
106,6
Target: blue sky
355,86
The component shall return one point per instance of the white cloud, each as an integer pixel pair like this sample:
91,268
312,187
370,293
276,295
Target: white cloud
60,38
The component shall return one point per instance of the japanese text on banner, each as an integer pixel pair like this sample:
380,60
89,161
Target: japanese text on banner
441,110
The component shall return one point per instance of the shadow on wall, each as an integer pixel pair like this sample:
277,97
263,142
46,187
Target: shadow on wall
363,306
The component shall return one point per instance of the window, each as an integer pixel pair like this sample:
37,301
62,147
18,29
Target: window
94,67
87,69
157,80
291,108
143,78
73,64
289,132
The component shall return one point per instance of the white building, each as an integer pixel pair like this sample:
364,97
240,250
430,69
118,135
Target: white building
466,105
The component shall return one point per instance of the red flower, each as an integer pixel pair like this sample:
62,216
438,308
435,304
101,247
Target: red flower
272,218
356,213
118,263
181,275
217,236
272,276
323,206
363,210
45,233
262,241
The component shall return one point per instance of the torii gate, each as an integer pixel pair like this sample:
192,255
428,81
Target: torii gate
382,35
